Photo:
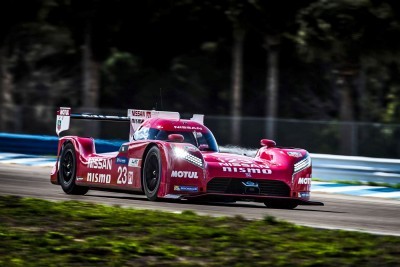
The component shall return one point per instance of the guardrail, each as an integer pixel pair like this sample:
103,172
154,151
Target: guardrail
325,167
350,168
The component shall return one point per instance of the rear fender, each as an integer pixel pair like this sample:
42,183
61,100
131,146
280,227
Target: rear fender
83,148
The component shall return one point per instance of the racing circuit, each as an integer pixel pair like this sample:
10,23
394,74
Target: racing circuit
355,213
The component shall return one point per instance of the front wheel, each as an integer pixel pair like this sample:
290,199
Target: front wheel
67,172
152,173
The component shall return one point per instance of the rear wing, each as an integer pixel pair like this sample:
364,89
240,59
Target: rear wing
135,116
64,116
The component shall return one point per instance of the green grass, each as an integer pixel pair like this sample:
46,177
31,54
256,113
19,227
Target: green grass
36,232
395,186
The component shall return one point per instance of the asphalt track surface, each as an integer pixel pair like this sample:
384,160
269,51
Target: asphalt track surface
366,214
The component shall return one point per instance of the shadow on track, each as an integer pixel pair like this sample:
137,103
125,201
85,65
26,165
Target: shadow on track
140,197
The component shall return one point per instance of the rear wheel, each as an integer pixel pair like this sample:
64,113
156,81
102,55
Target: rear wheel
280,205
152,173
67,172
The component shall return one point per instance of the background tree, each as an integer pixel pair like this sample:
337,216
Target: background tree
184,56
8,26
273,21
347,34
238,13
30,47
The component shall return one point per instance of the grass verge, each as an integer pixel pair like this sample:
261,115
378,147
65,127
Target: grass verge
36,232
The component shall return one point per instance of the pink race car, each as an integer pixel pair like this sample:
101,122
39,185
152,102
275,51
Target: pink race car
168,157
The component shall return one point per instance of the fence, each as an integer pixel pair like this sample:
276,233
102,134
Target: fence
324,137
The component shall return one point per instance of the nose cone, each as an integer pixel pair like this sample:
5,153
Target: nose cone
228,165
233,160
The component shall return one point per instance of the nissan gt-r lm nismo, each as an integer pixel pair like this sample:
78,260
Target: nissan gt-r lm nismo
169,157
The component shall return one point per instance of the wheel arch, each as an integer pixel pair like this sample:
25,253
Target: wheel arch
68,170
83,147
55,175
163,159
63,143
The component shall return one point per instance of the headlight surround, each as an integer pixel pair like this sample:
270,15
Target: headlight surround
302,164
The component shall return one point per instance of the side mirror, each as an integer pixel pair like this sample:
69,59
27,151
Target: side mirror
176,138
267,143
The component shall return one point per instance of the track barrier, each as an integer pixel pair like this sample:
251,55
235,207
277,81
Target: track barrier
325,167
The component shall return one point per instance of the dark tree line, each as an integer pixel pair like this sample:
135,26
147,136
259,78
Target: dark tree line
311,59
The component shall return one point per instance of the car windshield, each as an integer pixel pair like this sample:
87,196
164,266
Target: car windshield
204,141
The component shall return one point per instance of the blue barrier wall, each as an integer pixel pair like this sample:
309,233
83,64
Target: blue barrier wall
45,144
327,167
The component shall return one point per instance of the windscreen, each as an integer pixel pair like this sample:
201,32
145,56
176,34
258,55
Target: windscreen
204,141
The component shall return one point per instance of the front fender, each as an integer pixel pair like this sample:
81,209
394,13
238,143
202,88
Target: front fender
184,167
165,162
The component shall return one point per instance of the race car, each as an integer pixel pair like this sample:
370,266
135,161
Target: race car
167,157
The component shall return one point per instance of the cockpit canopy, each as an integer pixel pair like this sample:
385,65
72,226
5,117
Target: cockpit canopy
198,136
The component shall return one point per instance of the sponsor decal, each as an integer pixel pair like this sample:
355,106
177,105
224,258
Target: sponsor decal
294,154
235,160
185,127
188,188
100,163
304,195
140,113
246,170
123,148
251,187
137,121
130,177
121,160
98,178
241,164
64,112
304,181
250,183
79,178
122,178
58,124
133,162
184,174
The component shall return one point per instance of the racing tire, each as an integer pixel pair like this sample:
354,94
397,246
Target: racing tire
280,205
67,172
152,173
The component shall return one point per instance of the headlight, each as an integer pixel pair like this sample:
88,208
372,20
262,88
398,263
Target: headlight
183,154
302,164
180,153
